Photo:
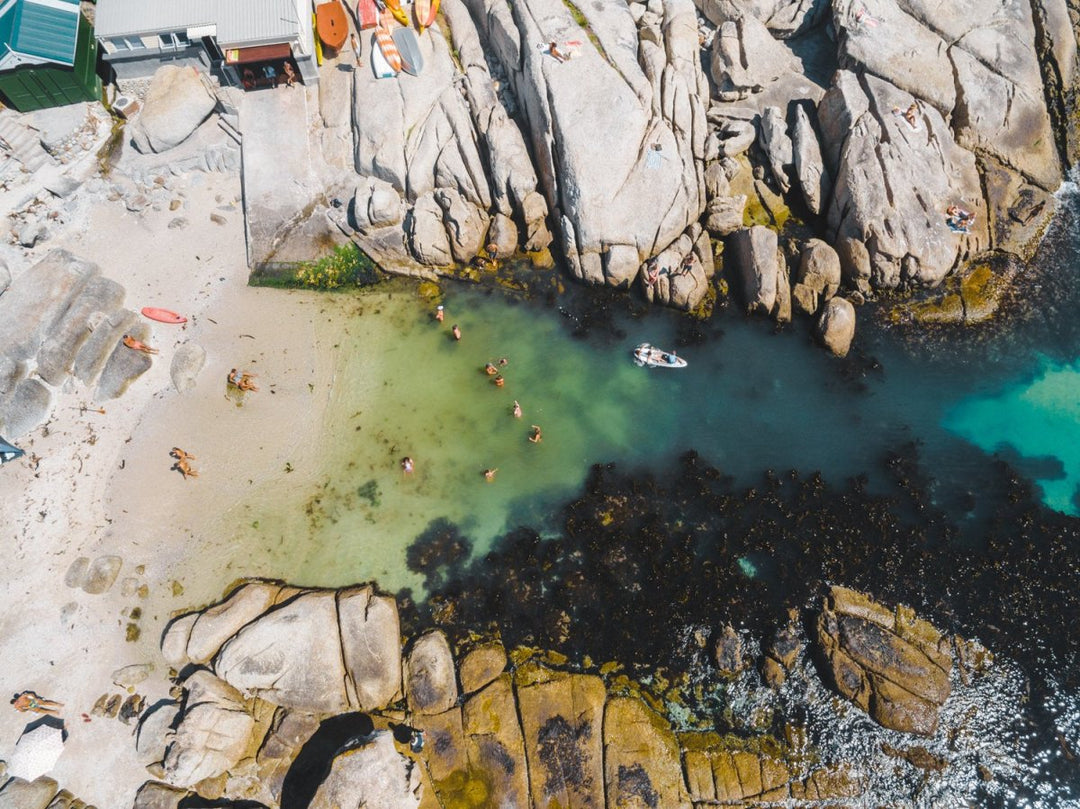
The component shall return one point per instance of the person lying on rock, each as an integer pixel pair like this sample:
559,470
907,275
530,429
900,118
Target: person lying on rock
138,345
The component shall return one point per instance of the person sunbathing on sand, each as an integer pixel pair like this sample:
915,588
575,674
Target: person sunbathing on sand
29,701
180,455
242,380
138,345
184,468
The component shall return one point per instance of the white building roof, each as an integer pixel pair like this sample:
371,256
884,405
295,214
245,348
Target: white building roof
238,22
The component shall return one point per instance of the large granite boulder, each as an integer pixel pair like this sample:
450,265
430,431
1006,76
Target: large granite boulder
495,744
372,776
213,735
642,763
292,655
889,663
438,160
176,103
757,263
818,276
621,198
370,646
836,326
430,684
481,665
745,58
562,719
977,60
893,185
813,178
216,624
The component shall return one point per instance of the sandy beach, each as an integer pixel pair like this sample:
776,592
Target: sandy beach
100,484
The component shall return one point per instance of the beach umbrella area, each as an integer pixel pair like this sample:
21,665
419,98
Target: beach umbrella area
9,452
36,752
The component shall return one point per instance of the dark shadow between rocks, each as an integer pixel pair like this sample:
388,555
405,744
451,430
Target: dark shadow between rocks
316,757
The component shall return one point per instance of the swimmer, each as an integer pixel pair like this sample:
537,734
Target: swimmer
536,436
456,332
503,362
489,474
517,409
499,381
490,369
439,313
407,465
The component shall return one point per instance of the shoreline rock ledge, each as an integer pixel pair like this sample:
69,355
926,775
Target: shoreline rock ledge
268,674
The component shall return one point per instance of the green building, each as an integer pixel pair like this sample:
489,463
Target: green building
48,55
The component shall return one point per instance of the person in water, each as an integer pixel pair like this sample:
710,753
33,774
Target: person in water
517,409
439,313
536,436
499,381
489,474
490,369
456,332
407,465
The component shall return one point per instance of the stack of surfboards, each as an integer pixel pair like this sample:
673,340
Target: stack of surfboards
395,49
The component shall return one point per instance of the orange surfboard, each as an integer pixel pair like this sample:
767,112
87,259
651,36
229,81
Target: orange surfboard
163,315
425,11
389,50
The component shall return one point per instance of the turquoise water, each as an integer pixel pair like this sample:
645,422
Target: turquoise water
1038,421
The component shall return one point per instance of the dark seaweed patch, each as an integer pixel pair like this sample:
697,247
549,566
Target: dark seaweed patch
559,744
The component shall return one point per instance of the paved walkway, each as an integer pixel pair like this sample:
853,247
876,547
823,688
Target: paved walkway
277,177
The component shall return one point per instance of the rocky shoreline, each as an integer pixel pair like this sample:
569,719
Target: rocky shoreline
263,673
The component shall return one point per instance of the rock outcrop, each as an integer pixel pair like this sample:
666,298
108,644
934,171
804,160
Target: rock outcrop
319,651
177,101
891,664
213,735
522,733
373,775
60,320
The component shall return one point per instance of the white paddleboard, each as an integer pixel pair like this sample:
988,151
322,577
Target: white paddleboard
379,66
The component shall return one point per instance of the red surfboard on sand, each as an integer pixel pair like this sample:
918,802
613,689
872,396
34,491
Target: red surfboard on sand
163,315
367,13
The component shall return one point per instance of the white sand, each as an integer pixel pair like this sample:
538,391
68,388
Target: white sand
103,484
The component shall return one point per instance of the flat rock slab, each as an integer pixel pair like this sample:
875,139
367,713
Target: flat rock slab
277,174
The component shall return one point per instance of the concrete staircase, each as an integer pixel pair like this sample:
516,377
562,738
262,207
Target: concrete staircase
22,142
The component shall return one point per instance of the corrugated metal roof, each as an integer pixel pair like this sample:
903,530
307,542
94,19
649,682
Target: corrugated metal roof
238,21
44,29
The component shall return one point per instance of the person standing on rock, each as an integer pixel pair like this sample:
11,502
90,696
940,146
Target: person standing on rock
355,43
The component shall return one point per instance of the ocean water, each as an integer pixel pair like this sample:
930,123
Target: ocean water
752,398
